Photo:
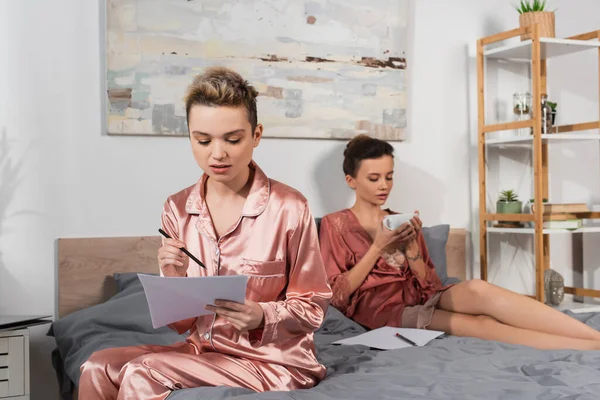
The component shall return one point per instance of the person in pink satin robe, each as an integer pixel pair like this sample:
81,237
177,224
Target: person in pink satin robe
236,221
382,277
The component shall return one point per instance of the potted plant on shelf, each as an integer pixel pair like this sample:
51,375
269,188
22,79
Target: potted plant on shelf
534,12
529,207
509,203
553,105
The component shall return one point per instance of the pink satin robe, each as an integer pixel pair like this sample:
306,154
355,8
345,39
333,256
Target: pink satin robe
389,288
275,243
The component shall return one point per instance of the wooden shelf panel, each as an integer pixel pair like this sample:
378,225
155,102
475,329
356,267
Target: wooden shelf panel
508,126
498,37
531,231
582,292
549,48
586,126
586,36
531,217
558,137
510,217
564,217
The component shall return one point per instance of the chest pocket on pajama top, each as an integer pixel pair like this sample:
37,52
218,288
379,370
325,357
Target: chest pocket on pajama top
266,279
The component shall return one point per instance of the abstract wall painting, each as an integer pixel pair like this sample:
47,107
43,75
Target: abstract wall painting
325,69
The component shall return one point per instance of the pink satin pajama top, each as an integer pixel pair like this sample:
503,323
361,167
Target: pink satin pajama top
275,244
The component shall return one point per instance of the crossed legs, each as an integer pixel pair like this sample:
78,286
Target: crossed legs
479,309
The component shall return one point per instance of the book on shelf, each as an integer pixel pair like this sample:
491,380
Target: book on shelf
563,208
568,224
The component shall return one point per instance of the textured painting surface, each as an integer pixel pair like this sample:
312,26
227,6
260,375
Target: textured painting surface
323,68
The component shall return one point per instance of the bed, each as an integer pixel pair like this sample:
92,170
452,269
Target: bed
101,304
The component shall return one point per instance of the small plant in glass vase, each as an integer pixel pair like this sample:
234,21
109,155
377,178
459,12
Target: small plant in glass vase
509,203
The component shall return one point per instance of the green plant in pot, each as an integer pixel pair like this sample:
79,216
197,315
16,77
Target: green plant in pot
535,12
509,203
552,105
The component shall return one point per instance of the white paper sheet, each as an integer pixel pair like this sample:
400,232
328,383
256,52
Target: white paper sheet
385,338
175,299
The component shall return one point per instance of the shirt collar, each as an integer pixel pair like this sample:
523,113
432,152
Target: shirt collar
255,204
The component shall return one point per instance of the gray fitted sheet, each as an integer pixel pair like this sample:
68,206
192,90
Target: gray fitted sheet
447,368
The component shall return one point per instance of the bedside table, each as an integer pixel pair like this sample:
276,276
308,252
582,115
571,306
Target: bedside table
14,364
14,354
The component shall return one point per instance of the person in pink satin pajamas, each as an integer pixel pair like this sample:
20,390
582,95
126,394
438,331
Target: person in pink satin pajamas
382,277
236,221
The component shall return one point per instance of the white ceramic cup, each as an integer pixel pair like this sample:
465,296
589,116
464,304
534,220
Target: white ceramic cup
394,221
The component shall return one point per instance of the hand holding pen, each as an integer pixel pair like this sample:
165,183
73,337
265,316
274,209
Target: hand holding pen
171,257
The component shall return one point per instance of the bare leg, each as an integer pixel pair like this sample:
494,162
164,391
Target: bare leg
484,327
478,297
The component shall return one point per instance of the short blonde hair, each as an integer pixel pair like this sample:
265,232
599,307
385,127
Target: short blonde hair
220,86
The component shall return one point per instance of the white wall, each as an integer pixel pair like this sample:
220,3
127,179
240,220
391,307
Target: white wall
78,182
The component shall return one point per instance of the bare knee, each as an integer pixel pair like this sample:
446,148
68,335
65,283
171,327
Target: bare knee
459,324
477,289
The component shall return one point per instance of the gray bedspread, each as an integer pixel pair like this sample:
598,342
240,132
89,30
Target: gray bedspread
447,368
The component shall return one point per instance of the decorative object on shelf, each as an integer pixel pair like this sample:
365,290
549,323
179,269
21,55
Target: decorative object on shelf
554,287
509,203
546,113
522,104
553,108
562,208
522,108
570,224
534,12
528,209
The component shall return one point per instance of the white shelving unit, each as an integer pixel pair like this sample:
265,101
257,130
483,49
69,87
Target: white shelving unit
536,51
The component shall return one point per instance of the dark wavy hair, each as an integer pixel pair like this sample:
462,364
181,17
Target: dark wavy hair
363,147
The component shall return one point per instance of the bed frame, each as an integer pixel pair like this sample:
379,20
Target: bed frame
86,265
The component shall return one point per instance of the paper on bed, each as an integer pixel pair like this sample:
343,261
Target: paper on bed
175,299
385,338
